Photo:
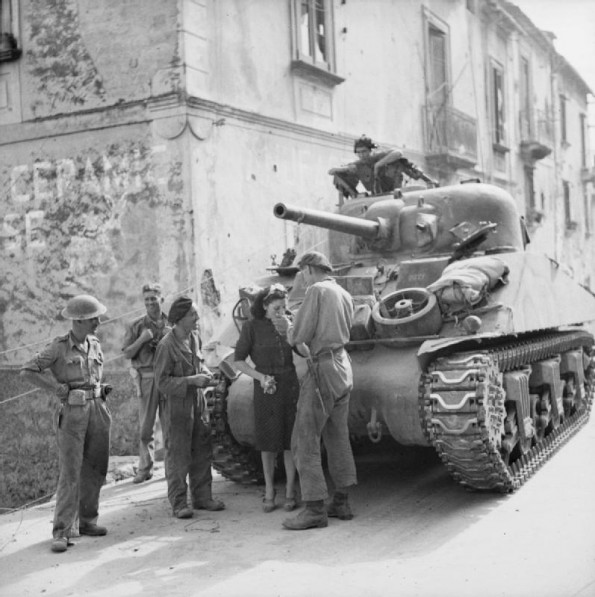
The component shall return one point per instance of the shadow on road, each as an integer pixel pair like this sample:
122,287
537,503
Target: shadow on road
405,505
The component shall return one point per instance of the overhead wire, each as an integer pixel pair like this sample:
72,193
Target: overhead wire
122,315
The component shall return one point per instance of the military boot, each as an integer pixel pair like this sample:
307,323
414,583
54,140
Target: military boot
339,507
312,516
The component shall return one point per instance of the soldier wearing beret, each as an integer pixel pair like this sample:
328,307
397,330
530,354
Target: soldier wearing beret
72,368
180,374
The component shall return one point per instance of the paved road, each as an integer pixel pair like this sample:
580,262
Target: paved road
416,534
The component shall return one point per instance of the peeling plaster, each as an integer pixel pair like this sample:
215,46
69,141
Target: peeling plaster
64,228
58,58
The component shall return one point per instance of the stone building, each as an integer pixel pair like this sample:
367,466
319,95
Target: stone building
150,139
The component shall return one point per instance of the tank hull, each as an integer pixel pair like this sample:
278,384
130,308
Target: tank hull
495,385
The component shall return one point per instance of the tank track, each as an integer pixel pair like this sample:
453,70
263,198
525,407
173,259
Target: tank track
230,458
463,410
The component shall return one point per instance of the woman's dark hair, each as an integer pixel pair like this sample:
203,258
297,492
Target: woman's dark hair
266,296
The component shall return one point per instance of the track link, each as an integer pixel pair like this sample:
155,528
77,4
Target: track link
234,461
463,409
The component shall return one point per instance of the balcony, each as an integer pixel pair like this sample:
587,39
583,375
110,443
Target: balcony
536,135
451,137
9,49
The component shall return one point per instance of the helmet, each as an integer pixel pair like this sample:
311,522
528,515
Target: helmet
315,259
83,306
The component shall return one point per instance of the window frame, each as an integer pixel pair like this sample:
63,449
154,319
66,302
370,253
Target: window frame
442,29
498,113
563,119
568,222
583,123
303,62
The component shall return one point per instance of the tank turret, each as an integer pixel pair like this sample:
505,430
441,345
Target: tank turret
429,221
462,339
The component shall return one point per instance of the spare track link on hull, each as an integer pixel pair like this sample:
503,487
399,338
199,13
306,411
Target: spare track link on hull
462,407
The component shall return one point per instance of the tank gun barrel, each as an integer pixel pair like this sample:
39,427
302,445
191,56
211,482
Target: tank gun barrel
348,224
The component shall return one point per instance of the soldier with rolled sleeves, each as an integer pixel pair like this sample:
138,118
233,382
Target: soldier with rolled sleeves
181,374
140,343
75,365
323,323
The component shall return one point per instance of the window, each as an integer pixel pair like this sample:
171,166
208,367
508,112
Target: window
498,107
583,129
529,189
313,40
567,214
525,101
438,74
9,43
563,129
587,219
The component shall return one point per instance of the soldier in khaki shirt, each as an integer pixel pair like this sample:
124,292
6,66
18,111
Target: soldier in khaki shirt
75,362
323,323
140,343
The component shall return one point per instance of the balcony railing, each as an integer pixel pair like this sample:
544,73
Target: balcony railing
537,134
451,137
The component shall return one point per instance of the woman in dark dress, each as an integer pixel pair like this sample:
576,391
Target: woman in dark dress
276,388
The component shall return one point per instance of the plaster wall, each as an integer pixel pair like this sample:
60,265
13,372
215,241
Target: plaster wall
81,54
96,212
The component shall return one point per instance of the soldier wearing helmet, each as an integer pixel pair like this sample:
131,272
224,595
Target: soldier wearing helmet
72,368
378,171
323,323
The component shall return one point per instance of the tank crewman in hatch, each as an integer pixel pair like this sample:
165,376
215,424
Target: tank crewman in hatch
378,171
140,343
322,323
75,361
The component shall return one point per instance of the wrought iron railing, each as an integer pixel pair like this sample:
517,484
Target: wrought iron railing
450,132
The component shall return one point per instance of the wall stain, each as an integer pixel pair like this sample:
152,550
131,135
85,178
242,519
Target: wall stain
58,58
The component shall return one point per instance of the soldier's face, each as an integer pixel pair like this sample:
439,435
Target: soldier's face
189,323
153,302
307,275
84,327
363,152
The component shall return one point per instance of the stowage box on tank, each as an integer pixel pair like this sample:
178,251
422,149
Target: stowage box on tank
462,339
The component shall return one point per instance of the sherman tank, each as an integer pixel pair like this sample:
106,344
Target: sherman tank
463,339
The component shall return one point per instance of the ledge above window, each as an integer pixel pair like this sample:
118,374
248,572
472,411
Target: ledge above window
315,73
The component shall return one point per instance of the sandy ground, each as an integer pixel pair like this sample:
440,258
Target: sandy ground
416,534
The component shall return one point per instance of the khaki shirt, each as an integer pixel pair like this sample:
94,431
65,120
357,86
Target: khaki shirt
145,357
324,320
78,365
174,362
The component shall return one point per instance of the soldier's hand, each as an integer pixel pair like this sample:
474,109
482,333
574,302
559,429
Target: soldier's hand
147,335
201,380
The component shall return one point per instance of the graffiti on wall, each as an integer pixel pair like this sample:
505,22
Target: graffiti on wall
62,223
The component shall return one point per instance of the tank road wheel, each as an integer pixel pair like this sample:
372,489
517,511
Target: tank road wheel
406,313
571,397
495,416
542,409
